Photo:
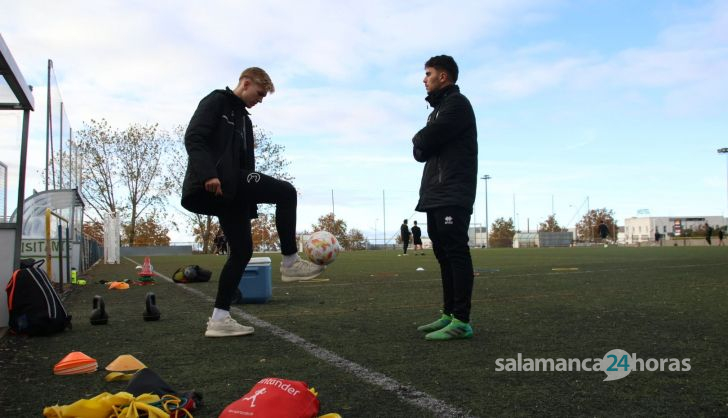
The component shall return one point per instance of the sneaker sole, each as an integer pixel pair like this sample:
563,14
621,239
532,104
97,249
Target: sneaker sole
289,279
217,334
449,337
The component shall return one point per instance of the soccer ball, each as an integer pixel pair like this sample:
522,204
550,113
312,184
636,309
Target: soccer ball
322,248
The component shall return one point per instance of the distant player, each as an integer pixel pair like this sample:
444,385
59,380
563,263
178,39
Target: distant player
417,238
404,233
603,230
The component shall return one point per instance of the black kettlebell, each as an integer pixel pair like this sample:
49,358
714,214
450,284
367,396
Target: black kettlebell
151,313
98,313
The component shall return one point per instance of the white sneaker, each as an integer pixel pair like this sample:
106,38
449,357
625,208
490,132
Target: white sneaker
227,327
301,270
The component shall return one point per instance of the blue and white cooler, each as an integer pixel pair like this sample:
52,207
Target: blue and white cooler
256,285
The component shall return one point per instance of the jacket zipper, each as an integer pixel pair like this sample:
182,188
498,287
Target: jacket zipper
439,171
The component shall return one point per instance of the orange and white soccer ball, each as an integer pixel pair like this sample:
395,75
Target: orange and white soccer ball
322,248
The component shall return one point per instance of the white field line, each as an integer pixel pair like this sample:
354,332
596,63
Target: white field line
406,393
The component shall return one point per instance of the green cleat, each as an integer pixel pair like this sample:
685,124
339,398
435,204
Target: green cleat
437,325
456,330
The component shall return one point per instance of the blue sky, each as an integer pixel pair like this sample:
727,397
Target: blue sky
624,103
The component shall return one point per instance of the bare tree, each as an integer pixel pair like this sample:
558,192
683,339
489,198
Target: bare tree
142,149
204,227
123,172
269,156
98,144
70,163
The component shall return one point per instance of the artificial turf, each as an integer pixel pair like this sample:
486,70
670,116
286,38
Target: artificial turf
571,303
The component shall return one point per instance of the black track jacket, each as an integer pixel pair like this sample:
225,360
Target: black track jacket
219,141
448,145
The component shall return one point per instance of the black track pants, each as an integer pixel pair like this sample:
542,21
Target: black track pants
235,222
448,229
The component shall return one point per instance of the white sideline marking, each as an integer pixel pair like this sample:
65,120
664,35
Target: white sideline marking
406,393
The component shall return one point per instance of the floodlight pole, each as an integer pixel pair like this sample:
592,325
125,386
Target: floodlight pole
60,151
725,151
485,178
375,232
48,123
384,220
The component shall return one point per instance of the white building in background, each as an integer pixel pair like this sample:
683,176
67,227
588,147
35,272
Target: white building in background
643,229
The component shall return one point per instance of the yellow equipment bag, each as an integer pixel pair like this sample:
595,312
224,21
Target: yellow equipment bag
119,405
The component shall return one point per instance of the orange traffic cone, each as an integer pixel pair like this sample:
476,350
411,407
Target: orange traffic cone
146,268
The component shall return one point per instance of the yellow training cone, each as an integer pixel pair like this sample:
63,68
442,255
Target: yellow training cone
125,363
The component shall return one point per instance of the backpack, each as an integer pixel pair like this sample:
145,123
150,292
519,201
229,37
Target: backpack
33,304
191,273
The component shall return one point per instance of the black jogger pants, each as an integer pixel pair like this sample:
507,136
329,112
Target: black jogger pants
235,222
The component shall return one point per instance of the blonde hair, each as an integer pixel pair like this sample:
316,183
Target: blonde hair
260,77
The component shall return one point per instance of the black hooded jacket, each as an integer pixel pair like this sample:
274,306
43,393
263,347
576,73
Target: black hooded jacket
448,145
220,143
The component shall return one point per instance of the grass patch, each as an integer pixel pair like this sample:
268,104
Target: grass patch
657,302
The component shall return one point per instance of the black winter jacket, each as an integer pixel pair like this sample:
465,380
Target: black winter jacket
404,232
220,143
448,145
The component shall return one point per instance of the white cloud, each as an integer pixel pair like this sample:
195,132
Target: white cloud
341,116
686,64
349,91
523,78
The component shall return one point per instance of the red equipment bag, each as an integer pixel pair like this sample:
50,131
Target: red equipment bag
275,398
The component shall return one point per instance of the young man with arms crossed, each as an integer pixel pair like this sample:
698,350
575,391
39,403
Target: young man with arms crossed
448,146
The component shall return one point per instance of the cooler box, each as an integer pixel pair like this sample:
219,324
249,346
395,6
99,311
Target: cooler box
256,284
